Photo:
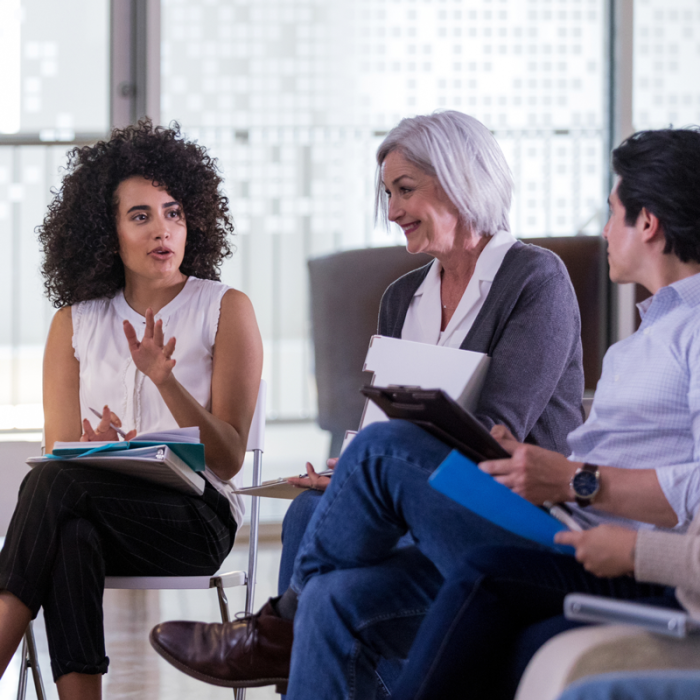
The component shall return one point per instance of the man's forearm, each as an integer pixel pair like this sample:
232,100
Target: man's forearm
635,494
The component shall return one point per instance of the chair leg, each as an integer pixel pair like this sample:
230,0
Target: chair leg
23,670
34,658
223,601
30,660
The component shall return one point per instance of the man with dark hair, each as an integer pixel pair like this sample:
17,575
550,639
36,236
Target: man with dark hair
658,171
645,420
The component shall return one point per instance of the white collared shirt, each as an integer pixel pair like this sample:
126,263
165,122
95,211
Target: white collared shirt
424,315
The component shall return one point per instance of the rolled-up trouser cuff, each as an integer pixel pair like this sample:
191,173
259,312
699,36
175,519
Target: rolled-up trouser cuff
61,668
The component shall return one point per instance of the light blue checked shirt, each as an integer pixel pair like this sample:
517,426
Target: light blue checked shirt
646,411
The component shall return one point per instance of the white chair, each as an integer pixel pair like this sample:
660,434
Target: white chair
231,579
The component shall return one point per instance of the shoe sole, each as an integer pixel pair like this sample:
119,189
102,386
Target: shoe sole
223,682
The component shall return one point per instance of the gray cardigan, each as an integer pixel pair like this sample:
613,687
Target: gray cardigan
530,327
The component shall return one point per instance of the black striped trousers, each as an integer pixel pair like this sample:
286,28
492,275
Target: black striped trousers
74,525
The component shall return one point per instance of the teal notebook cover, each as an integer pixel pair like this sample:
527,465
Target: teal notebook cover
461,480
190,453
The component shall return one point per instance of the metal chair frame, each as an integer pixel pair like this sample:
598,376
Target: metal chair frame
231,579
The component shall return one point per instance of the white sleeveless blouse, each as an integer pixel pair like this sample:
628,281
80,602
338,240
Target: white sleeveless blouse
108,374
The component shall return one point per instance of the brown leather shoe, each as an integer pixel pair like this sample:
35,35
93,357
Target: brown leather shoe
247,653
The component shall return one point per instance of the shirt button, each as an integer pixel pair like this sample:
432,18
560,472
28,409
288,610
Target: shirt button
617,377
646,331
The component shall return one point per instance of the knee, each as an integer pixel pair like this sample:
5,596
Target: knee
388,432
43,480
395,438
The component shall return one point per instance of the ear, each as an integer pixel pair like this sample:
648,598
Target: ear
650,227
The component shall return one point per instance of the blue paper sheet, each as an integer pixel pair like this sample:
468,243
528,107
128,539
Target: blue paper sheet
461,480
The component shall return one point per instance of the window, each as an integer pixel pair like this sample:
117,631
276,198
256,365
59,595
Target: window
54,63
666,63
295,96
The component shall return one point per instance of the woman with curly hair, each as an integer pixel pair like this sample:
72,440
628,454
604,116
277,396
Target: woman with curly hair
133,243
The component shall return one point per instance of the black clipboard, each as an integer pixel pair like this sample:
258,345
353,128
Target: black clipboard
441,416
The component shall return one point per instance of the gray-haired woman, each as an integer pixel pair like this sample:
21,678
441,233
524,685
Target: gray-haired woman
445,181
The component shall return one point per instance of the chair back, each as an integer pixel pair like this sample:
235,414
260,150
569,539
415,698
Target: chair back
256,436
585,260
346,289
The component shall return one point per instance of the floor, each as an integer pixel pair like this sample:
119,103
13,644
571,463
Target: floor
136,671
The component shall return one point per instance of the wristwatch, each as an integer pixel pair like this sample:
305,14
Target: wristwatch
586,484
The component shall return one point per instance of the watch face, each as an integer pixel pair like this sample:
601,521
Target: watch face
585,484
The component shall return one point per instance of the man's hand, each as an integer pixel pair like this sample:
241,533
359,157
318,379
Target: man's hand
313,480
532,472
152,355
606,550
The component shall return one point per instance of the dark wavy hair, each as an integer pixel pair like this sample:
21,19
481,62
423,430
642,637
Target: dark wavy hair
79,234
659,171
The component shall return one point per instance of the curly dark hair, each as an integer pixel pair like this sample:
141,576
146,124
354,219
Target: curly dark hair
79,234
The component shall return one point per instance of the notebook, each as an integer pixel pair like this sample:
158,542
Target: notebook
168,458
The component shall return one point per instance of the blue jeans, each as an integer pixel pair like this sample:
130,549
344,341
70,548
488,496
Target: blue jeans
361,598
641,685
294,526
296,520
491,617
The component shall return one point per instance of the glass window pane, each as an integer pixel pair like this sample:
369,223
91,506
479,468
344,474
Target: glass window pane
54,60
294,96
666,63
54,82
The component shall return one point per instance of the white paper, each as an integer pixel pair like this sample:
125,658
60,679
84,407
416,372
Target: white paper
188,435
459,373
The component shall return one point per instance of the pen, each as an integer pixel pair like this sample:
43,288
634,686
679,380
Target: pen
328,472
562,515
111,425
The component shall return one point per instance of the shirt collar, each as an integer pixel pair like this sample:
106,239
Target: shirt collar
687,290
487,264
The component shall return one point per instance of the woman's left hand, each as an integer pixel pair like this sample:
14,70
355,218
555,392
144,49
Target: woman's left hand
151,356
606,550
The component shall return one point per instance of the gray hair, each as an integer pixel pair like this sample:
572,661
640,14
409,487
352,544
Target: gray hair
466,159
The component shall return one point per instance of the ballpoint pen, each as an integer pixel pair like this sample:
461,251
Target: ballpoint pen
563,515
111,425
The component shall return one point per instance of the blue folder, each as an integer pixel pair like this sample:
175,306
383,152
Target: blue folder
461,480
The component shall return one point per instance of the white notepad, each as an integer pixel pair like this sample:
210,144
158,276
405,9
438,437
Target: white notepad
396,362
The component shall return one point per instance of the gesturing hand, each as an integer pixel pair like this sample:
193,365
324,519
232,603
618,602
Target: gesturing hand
151,356
606,550
104,432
